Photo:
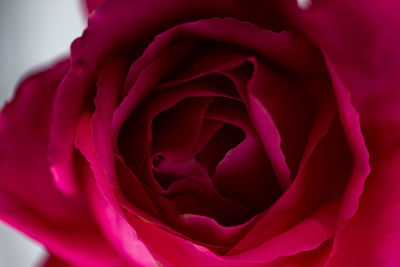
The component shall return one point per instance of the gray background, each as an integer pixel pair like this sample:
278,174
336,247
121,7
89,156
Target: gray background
33,33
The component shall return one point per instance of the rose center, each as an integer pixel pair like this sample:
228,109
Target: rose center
207,164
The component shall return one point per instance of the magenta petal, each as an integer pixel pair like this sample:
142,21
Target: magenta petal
287,49
176,130
264,122
315,257
282,99
307,192
132,194
53,261
92,4
208,230
105,206
372,236
109,87
61,150
351,125
119,230
351,122
43,212
260,187
146,74
360,40
307,235
112,27
199,187
178,251
208,130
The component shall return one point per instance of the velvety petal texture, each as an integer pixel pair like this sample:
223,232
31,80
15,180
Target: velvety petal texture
29,199
212,133
366,63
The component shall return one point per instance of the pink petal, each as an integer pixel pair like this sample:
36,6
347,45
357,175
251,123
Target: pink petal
359,41
105,206
29,200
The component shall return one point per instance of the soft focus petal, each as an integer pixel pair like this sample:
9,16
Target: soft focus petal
29,200
53,261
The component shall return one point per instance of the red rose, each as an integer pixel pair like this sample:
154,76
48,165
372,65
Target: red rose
212,133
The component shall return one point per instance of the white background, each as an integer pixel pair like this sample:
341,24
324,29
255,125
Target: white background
32,34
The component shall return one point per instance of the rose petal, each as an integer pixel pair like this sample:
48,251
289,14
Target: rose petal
212,233
226,138
53,261
307,235
194,181
61,150
260,188
364,54
351,125
315,257
132,193
275,96
176,130
42,212
372,234
265,124
146,79
179,252
297,202
105,206
92,4
109,87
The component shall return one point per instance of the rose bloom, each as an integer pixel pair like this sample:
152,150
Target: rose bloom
213,133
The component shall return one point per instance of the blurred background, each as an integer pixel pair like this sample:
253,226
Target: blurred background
33,33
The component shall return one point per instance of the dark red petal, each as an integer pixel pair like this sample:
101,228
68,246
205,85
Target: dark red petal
92,4
372,234
135,136
245,173
175,131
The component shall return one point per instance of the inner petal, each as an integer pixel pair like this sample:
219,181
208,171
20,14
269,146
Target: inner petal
136,135
229,197
245,174
223,141
175,130
189,180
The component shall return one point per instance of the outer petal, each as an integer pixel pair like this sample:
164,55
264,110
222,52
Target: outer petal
372,237
360,38
53,261
29,200
106,208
